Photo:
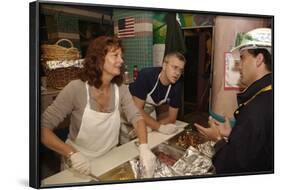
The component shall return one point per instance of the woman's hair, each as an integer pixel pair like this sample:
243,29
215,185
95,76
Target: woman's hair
95,58
266,56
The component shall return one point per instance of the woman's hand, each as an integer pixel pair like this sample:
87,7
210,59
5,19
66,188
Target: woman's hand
148,160
80,163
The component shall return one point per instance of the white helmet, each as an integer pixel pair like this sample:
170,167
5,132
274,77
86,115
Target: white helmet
259,38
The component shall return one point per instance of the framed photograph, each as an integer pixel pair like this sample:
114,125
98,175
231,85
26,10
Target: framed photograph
232,75
122,94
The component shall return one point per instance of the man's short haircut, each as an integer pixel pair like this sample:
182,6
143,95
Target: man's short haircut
266,55
178,55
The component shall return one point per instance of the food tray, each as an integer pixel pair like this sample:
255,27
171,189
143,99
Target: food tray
167,154
122,172
187,138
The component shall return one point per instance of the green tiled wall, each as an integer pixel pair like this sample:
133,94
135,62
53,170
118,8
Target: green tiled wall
66,23
138,49
62,23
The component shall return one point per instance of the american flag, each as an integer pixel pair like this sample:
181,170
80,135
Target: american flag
126,27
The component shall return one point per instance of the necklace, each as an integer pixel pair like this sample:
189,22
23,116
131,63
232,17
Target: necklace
101,98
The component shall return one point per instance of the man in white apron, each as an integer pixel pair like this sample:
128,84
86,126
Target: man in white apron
157,86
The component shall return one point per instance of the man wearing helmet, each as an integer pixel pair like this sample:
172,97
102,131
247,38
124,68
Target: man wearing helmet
248,146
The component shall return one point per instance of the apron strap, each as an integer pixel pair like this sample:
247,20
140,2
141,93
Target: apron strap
87,92
116,94
154,86
167,94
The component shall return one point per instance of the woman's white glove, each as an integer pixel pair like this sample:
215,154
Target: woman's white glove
168,129
80,163
148,160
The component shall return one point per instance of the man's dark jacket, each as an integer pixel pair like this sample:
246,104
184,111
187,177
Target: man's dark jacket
250,144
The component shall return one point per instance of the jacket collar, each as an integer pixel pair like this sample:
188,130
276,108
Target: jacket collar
254,88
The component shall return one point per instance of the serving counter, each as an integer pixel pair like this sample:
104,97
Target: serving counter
117,157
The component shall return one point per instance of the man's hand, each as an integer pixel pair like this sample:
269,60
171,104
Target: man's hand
216,131
168,129
212,133
224,128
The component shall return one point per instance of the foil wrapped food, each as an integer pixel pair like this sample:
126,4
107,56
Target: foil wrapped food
192,162
56,64
207,148
161,170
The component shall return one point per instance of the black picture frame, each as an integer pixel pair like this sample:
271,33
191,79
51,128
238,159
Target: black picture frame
35,82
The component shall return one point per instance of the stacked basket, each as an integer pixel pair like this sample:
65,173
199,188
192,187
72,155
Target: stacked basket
59,77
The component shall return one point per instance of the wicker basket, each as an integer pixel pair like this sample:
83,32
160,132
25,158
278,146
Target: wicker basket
58,78
58,52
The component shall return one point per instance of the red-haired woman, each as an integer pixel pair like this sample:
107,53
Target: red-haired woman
94,102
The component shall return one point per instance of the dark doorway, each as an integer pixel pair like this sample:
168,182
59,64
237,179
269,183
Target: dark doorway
197,73
191,71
